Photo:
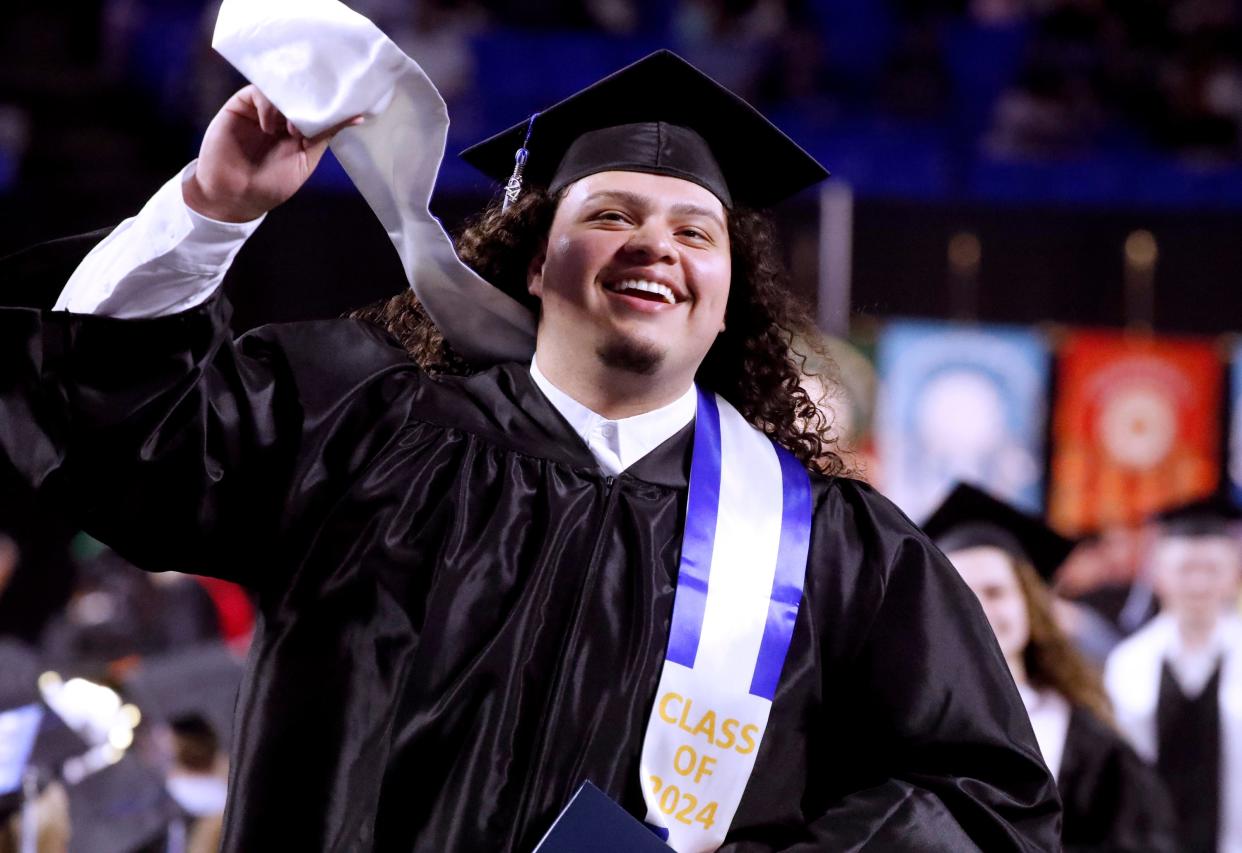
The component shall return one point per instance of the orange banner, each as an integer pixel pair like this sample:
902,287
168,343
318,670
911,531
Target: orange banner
1136,427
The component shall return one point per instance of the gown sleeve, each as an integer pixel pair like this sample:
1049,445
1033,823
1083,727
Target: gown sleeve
933,747
179,447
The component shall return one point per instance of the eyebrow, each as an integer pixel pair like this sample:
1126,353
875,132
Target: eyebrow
644,203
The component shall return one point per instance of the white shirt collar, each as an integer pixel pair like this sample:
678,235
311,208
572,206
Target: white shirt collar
618,444
1193,668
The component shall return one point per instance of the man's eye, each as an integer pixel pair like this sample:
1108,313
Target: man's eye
696,234
611,216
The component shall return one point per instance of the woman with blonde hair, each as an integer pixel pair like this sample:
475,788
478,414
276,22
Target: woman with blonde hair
1112,799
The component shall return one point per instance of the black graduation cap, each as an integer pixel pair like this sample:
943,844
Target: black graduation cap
196,682
659,115
970,517
31,734
54,741
122,808
19,673
1215,515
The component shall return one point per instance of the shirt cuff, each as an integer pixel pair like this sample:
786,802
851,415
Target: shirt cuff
208,243
166,259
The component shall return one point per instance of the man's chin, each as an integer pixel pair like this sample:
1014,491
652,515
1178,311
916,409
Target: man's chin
642,358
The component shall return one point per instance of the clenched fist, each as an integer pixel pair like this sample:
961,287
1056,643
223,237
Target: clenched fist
252,159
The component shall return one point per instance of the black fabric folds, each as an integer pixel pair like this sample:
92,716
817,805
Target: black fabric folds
1112,800
462,619
1188,755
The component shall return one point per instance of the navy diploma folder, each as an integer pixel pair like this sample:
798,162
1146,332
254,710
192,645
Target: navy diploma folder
592,823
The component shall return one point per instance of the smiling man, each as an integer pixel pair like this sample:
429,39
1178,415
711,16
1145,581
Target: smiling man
483,587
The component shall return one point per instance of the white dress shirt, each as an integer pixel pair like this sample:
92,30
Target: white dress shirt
618,444
169,258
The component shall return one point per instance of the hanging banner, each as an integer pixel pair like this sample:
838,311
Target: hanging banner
957,403
1235,423
1136,427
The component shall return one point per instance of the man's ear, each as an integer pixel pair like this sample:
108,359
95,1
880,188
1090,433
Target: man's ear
534,272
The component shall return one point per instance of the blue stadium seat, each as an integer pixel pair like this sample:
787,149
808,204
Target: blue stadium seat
161,56
983,62
858,37
518,71
878,156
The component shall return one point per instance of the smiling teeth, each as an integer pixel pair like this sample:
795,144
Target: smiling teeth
662,290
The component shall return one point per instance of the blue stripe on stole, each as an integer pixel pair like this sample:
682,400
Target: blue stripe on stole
699,537
790,576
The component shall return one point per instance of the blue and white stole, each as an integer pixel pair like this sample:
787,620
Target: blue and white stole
743,563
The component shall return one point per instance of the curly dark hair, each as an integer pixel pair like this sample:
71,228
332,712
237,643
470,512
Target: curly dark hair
752,364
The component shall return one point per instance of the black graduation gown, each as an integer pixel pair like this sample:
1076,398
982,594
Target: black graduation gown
1188,755
1112,800
462,618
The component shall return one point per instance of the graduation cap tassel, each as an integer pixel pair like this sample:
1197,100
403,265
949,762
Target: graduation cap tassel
514,187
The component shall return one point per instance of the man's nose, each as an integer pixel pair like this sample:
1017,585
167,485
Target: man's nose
651,243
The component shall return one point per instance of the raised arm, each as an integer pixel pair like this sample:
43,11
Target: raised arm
161,435
173,255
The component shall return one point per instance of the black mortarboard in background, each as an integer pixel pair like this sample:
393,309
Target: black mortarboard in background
49,745
19,675
1215,515
120,809
197,681
970,517
659,115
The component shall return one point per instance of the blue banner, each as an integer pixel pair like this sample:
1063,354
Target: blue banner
960,402
1235,424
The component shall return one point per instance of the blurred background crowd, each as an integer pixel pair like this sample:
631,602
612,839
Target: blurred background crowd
1025,269
939,95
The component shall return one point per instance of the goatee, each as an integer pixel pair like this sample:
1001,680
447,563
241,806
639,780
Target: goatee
639,357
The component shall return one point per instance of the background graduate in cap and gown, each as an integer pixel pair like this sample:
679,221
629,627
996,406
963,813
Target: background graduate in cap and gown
1177,682
1112,800
466,581
65,784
